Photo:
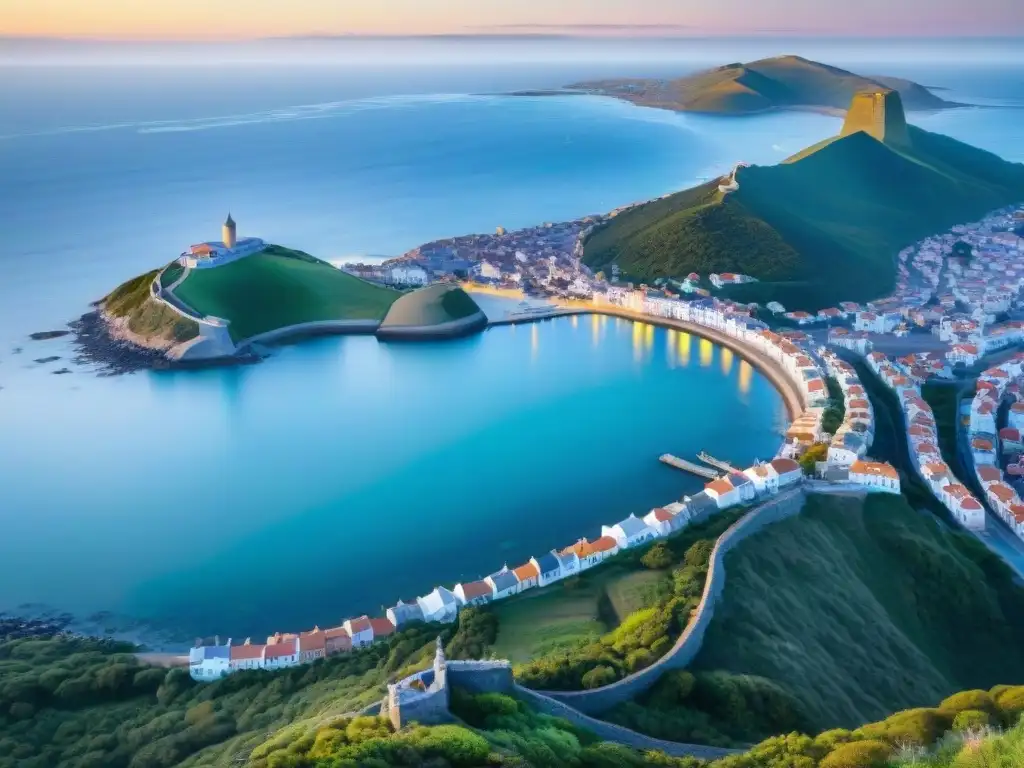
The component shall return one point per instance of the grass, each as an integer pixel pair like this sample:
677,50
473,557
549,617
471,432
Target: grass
568,614
818,229
859,608
433,305
280,287
147,317
983,748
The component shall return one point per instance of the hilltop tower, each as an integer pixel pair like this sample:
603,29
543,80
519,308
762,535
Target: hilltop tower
228,233
879,113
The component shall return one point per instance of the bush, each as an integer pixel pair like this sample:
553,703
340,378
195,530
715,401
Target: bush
970,720
920,727
657,557
599,676
1010,702
974,700
858,754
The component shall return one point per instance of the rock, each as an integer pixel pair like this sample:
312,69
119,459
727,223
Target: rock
44,360
61,371
44,335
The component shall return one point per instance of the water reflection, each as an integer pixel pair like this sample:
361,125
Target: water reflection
746,374
707,352
595,328
684,348
638,342
534,340
670,348
727,356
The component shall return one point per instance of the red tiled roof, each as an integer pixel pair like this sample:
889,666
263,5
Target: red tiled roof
244,652
1009,433
381,627
359,625
873,468
286,648
785,466
662,515
1001,491
721,486
474,589
529,570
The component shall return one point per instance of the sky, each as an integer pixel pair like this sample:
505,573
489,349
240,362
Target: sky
244,19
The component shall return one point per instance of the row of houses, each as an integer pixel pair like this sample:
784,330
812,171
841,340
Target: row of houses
923,443
995,385
855,435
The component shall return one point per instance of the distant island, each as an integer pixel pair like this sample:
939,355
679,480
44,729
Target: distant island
822,227
780,82
221,298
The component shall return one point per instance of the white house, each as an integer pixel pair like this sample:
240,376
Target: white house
661,520
723,492
875,475
569,561
591,553
629,532
788,470
473,592
764,477
360,630
402,613
246,656
209,662
503,583
549,567
745,488
405,273
440,605
281,653
215,253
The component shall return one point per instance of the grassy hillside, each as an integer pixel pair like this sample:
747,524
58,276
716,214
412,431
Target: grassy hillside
280,287
777,82
820,228
434,305
857,609
146,317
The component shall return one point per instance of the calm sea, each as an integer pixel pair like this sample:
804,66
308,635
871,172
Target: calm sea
343,474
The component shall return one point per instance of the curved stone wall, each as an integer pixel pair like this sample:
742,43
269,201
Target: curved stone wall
596,700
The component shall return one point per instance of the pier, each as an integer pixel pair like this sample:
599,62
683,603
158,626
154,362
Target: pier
725,466
689,466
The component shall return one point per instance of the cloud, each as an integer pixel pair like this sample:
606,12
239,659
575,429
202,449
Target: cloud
548,28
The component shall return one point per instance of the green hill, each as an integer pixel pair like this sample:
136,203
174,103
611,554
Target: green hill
776,83
132,302
279,287
857,609
825,225
431,310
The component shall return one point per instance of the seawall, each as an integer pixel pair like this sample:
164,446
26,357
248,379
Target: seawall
450,330
597,700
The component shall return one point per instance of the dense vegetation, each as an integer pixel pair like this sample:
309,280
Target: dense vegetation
147,317
647,634
279,287
820,228
85,703
945,402
780,81
859,608
835,411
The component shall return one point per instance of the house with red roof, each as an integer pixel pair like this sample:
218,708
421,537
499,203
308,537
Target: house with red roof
281,652
246,656
473,592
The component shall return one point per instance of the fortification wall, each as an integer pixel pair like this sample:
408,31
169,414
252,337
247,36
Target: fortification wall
688,645
428,708
616,733
481,678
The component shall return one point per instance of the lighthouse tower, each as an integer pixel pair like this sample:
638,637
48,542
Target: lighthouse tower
228,233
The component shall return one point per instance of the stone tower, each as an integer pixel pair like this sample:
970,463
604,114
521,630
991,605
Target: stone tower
879,113
228,233
440,666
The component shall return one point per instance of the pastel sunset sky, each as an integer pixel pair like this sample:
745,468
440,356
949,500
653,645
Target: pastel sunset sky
232,19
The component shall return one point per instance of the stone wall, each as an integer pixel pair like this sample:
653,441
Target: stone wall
686,648
481,677
428,708
616,733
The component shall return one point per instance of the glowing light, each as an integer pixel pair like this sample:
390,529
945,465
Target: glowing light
595,328
638,342
726,360
670,347
746,375
685,340
575,321
707,352
648,336
534,340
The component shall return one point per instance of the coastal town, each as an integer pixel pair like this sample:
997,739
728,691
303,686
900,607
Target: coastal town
954,304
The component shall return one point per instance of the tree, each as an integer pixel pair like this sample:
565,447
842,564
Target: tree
814,454
657,557
971,720
599,676
962,250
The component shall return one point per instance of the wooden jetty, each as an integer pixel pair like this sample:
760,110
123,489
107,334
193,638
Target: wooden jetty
725,466
689,466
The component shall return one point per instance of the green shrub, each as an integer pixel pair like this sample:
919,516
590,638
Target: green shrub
858,754
971,719
1010,702
599,676
657,557
914,726
833,738
975,700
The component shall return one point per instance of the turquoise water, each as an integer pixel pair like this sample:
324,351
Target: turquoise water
342,474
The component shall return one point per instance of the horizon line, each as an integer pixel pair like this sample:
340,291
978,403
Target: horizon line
618,34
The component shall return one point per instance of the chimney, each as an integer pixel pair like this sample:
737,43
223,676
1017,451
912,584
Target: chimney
199,642
216,639
248,641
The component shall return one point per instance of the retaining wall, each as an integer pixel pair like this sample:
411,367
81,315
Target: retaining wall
596,700
616,733
481,678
